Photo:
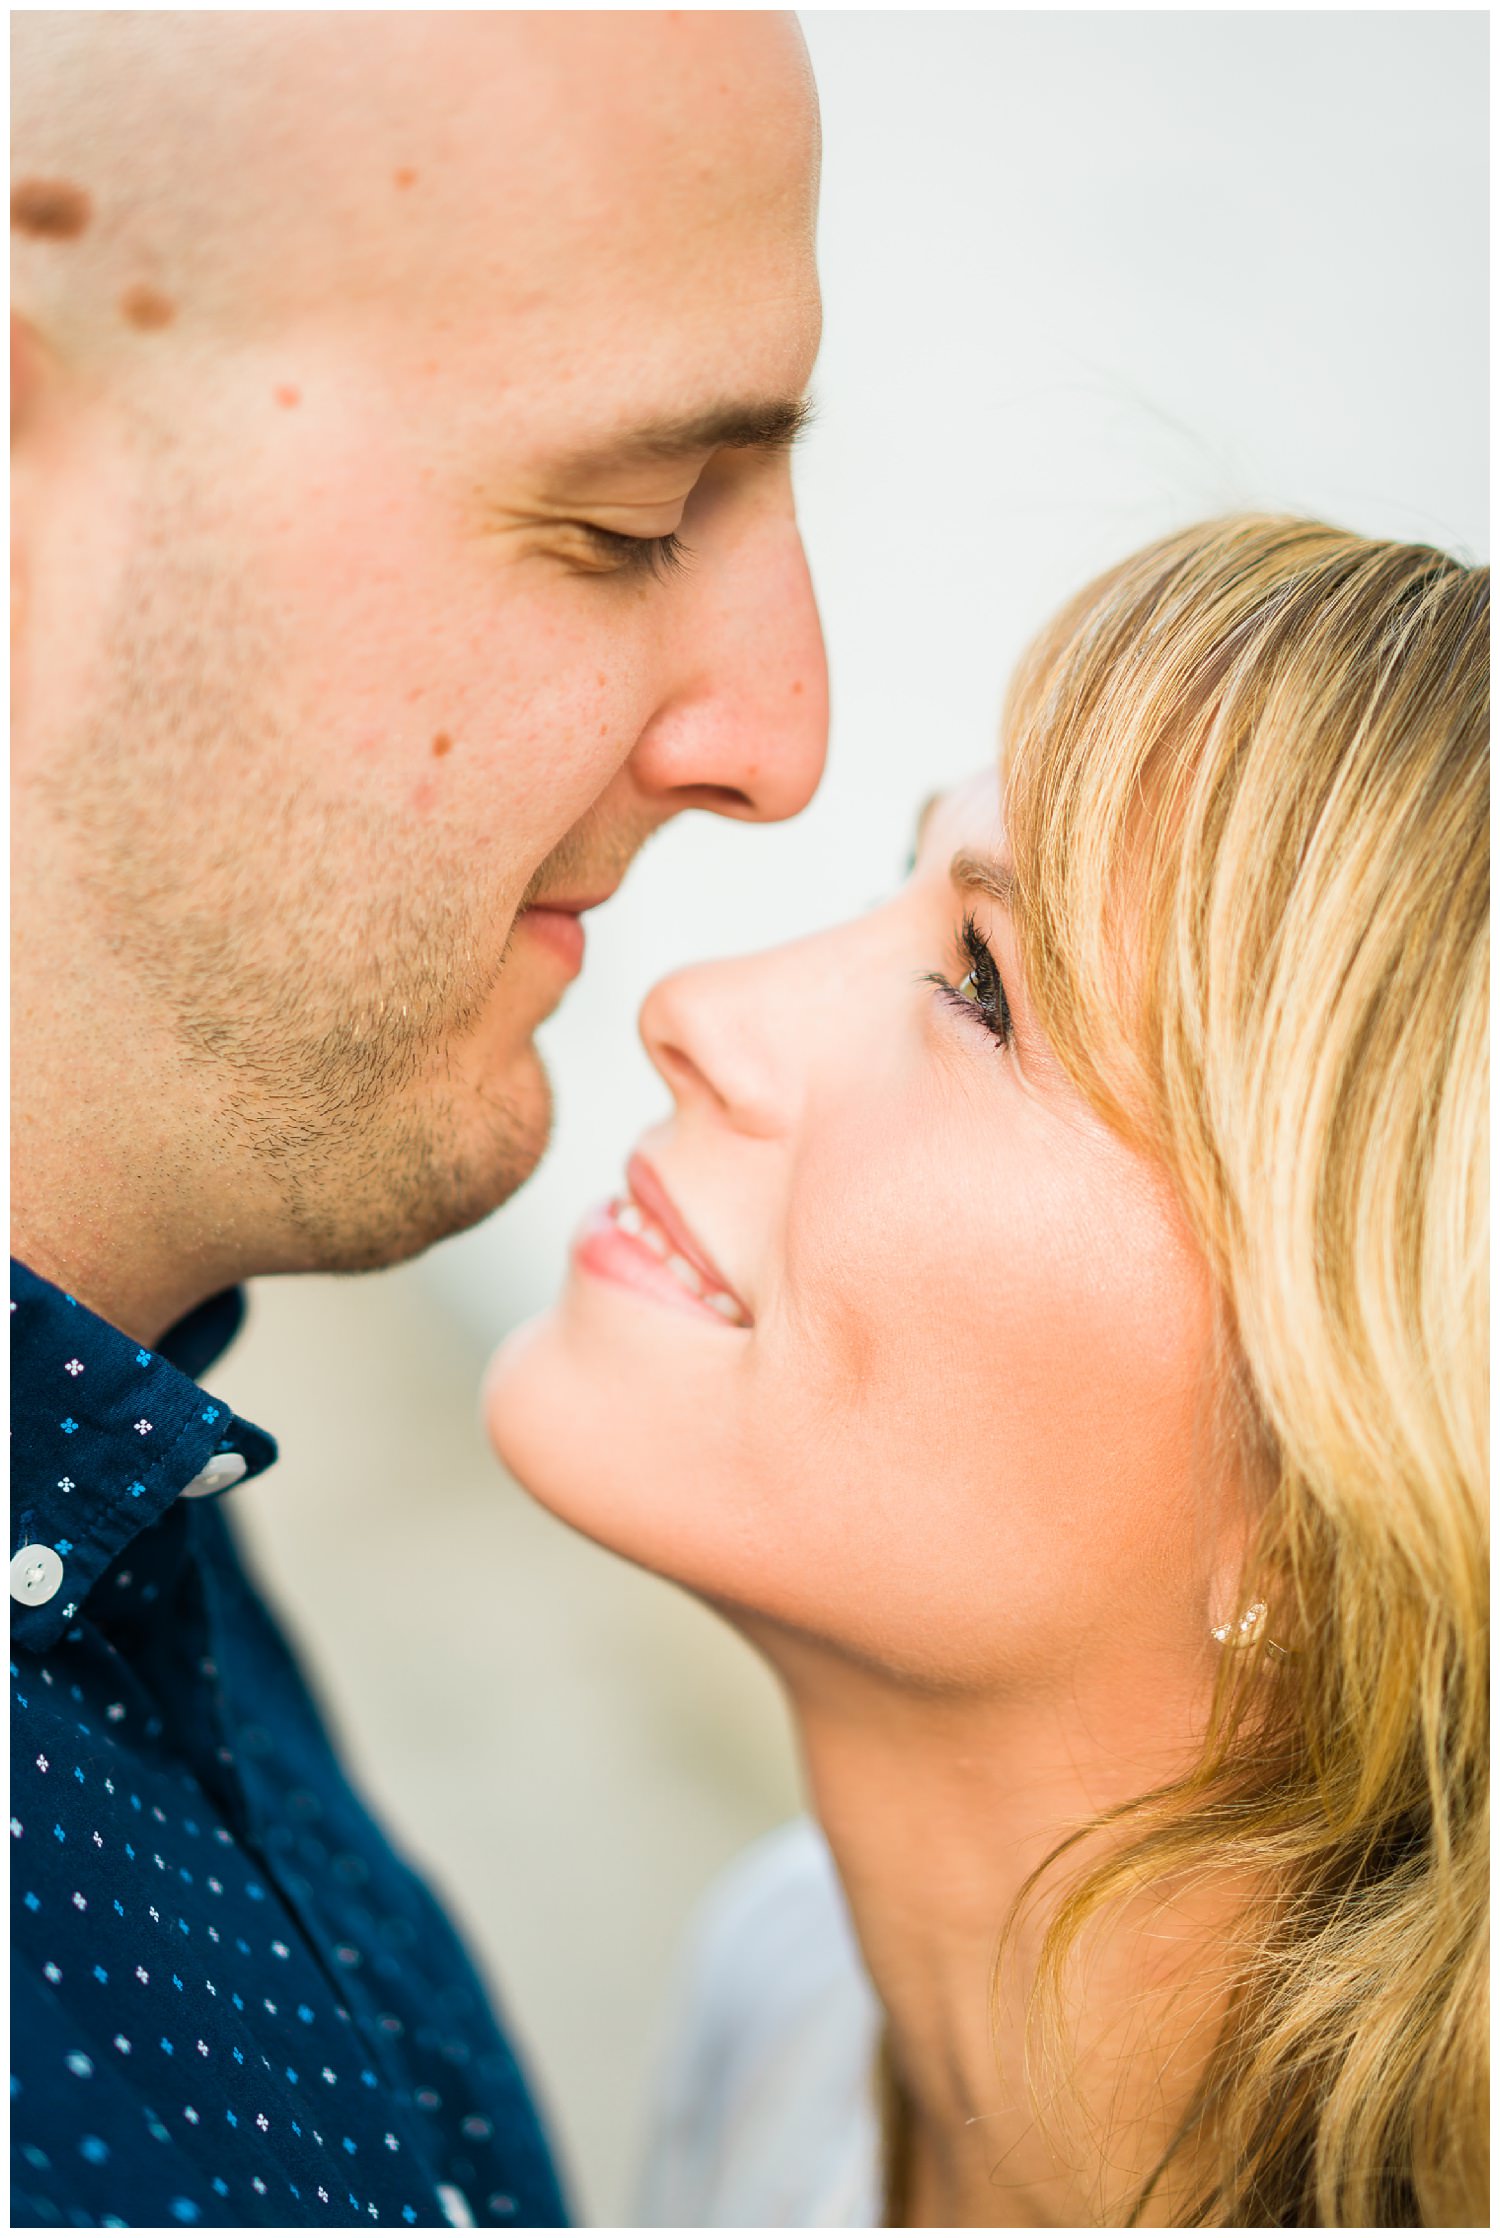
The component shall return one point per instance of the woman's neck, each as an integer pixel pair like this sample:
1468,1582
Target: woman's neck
937,1811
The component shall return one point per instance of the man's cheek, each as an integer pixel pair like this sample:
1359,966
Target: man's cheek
459,677
531,768
497,727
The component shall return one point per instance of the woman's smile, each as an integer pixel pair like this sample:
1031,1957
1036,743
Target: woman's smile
622,1242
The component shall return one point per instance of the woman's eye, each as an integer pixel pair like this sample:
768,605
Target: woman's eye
981,989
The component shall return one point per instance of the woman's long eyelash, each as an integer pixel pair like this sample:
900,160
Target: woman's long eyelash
989,999
660,556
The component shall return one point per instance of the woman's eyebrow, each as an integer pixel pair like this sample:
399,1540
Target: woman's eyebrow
984,874
924,818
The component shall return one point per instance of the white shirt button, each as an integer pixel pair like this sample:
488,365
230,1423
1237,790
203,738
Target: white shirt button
35,1575
216,1475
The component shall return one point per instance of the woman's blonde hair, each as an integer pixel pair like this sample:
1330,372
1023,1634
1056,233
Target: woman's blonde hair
1247,792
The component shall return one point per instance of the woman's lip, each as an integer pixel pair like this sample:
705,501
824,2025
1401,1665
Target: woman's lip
562,933
603,1248
650,1194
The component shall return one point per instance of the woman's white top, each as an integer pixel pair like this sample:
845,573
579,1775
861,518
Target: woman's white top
765,2114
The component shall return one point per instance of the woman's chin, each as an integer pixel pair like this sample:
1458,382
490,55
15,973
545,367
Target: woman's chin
558,1415
609,1435
508,1404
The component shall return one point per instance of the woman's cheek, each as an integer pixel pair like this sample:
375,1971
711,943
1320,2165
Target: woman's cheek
985,1412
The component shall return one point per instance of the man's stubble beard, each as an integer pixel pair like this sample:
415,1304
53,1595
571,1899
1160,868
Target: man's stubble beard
313,963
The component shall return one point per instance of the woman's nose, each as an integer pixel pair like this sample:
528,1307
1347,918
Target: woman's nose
707,1032
756,1037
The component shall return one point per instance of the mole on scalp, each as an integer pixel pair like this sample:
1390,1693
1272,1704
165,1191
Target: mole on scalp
49,209
146,307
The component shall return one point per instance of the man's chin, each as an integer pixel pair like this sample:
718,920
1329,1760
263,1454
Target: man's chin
425,1177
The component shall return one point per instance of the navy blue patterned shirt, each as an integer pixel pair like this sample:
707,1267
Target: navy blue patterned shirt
231,2002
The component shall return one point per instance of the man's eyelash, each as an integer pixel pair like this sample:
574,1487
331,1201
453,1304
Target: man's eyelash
661,556
989,1000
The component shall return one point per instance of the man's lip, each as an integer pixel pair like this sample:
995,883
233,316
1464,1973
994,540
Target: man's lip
572,905
561,931
650,1194
558,920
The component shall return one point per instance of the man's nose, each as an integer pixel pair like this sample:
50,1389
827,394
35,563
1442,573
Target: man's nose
743,725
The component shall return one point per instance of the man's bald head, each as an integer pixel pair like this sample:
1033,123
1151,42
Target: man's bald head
225,171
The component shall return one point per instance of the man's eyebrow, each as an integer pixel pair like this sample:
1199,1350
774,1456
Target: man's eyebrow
755,424
984,874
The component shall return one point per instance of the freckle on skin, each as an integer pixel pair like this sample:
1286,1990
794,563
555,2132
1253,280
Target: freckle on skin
287,398
146,307
404,177
442,744
797,689
50,209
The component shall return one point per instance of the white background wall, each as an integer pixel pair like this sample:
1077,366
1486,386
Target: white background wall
1087,277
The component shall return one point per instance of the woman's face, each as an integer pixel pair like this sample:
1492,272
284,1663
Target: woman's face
958,1426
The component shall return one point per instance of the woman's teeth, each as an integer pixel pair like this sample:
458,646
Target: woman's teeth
632,1221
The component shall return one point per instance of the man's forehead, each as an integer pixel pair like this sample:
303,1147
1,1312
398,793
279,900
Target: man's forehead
580,131
645,284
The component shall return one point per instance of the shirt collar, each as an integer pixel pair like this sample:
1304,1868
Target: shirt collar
106,1434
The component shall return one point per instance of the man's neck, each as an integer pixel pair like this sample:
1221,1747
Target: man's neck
937,1812
143,1303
